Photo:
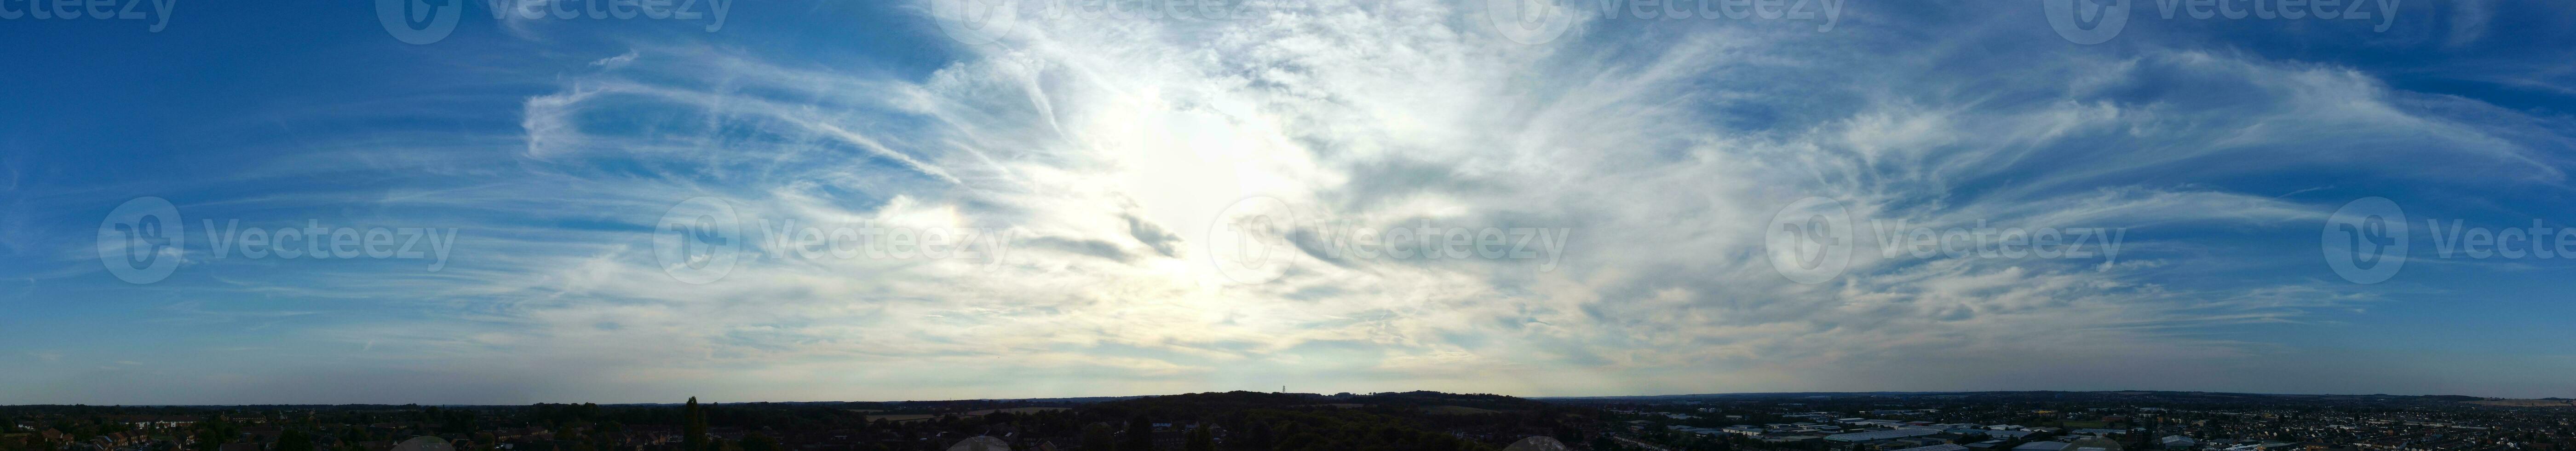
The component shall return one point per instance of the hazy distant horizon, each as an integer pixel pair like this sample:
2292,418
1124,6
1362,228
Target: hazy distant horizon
1052,398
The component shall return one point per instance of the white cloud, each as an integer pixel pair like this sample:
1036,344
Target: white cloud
1100,138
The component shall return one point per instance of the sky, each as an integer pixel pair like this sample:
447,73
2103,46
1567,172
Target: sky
785,200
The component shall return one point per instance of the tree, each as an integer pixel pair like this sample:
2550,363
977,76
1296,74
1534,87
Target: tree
215,431
1255,437
1098,438
1200,439
694,429
294,440
1140,435
757,442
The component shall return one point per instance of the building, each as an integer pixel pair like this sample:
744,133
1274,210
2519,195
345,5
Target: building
2042,446
1887,434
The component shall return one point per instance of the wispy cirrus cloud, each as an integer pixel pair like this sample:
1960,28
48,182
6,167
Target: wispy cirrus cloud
1111,146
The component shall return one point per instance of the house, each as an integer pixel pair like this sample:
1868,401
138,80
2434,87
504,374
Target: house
2041,446
2094,444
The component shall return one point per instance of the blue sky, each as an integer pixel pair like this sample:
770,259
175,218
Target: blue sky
1105,158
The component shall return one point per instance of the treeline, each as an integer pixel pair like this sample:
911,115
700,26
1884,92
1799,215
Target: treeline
1295,422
